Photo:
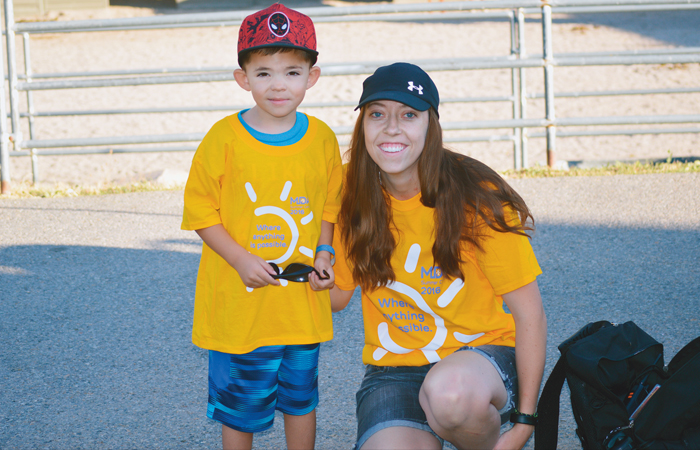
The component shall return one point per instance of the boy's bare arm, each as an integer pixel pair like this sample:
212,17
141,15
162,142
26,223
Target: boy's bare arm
253,270
322,262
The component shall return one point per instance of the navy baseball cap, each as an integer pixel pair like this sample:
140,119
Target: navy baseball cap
402,82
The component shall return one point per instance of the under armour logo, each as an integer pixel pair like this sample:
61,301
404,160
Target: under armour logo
411,87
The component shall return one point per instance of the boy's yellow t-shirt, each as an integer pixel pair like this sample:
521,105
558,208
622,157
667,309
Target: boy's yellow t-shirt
422,317
271,200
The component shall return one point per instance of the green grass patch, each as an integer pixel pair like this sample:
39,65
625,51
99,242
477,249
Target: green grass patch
27,190
619,168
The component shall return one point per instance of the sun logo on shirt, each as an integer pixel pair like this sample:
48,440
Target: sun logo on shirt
430,349
287,217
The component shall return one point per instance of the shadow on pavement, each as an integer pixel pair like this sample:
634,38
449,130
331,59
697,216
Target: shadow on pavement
97,351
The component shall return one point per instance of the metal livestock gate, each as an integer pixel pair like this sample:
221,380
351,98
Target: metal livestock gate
513,11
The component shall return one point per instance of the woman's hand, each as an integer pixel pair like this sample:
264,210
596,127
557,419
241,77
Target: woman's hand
515,438
340,298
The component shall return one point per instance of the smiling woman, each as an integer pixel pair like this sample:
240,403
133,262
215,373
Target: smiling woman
395,136
396,103
410,203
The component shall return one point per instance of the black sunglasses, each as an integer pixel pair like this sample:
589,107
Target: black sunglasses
297,272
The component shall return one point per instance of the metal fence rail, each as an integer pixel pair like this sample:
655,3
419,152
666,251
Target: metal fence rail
513,11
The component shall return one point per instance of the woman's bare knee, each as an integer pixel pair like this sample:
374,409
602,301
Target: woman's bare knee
401,438
460,393
455,405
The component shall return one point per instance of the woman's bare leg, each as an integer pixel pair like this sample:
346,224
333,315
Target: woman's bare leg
461,397
402,438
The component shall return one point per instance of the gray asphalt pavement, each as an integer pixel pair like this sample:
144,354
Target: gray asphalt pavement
96,297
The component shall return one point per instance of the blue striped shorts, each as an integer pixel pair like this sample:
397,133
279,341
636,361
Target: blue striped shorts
245,390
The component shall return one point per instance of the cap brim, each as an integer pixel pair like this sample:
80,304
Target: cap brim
401,97
280,44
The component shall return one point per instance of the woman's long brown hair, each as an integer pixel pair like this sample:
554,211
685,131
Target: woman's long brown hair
465,193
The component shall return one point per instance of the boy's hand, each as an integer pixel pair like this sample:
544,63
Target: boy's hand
255,271
322,263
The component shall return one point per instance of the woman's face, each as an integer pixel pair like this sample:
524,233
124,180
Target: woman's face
395,137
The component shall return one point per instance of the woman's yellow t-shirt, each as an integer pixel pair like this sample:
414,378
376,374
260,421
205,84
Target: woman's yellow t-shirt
271,200
422,317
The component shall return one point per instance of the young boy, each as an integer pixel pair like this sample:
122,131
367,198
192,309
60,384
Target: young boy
264,188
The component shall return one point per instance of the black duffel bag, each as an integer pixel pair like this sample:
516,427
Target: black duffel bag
622,395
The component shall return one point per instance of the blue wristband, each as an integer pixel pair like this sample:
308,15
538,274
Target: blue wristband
325,248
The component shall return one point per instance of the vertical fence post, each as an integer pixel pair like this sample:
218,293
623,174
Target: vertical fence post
30,105
12,71
515,95
514,92
521,77
4,136
548,80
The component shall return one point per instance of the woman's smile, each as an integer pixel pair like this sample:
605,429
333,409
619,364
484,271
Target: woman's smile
392,147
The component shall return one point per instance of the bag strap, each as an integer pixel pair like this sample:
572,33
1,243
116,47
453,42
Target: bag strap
547,428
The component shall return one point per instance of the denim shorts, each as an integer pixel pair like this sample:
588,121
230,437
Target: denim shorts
388,396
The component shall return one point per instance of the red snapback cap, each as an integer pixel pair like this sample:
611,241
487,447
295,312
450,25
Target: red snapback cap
277,26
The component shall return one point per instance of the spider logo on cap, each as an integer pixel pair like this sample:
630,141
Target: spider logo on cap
279,24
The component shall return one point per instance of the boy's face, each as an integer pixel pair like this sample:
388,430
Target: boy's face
278,83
